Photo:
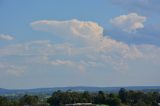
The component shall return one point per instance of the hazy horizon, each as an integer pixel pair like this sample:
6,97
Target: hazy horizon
80,87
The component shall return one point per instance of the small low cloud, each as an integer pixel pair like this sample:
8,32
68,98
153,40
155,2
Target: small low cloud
128,23
6,37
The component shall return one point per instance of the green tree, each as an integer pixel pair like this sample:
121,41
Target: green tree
29,100
86,97
123,95
113,100
3,101
100,98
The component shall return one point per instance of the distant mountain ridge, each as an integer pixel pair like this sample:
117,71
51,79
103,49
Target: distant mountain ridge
77,88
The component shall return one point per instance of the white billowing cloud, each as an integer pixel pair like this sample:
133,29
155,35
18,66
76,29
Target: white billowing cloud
129,23
97,47
70,29
95,44
90,33
6,37
97,50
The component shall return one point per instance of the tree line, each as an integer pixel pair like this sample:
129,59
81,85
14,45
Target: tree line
60,98
25,100
122,98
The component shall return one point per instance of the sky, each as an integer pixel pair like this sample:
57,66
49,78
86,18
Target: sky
59,43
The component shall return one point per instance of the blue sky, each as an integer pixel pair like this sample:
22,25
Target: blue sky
50,43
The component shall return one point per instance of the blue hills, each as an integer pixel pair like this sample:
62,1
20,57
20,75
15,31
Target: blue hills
77,88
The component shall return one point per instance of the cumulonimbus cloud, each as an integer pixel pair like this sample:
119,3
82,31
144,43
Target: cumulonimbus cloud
128,23
89,32
97,50
96,44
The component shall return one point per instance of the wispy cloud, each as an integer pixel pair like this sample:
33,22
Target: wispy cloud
6,37
11,69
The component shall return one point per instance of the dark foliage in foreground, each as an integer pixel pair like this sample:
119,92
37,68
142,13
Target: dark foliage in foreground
123,98
59,98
